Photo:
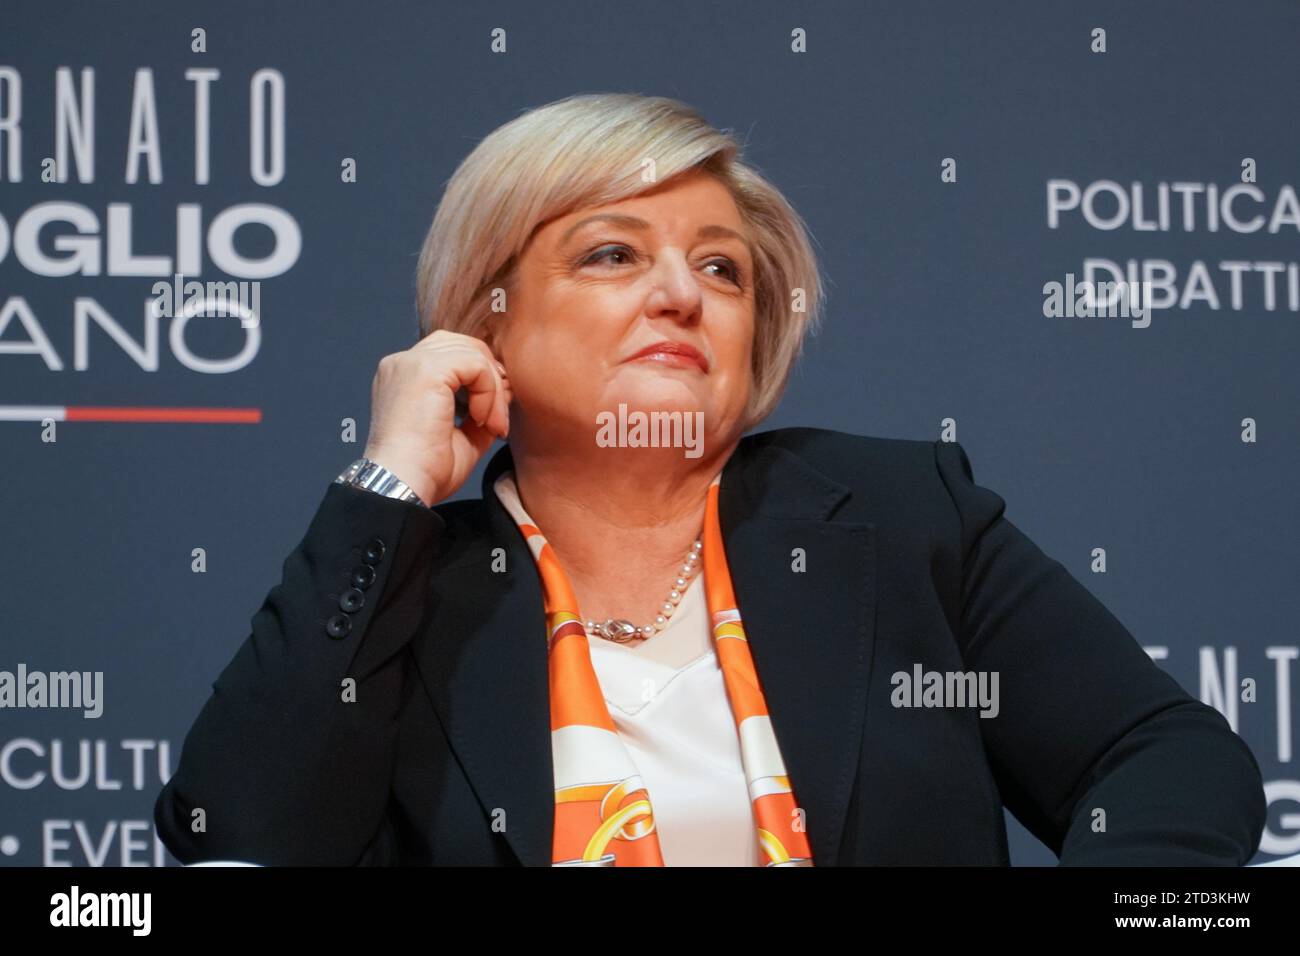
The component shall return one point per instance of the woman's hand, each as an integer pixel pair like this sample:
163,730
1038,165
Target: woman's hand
413,430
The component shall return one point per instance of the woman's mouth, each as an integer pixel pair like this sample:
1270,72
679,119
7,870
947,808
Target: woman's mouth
676,354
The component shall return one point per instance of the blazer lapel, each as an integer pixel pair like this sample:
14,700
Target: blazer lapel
483,656
483,661
810,631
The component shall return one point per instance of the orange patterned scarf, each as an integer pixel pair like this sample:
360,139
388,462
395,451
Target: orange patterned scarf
603,815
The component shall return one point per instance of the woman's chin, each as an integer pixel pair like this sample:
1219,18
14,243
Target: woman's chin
667,401
662,393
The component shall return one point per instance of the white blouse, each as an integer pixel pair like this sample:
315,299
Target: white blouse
667,698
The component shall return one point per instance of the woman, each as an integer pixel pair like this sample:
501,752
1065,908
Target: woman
799,647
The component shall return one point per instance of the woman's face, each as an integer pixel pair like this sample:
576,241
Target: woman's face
594,289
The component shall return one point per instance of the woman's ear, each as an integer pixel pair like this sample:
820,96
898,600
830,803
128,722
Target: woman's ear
494,336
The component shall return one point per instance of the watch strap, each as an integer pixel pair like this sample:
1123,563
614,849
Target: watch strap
371,476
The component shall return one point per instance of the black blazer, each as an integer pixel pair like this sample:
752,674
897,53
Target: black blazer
444,755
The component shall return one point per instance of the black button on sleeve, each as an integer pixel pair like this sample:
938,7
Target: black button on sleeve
363,575
338,626
374,552
352,600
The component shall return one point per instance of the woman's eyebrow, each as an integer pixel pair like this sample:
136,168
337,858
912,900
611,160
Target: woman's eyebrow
634,222
617,219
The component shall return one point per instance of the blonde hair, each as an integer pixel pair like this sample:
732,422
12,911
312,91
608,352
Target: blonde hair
590,150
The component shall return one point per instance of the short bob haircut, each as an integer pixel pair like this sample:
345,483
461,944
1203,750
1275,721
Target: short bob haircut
594,149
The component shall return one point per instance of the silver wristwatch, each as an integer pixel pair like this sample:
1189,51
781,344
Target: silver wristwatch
372,476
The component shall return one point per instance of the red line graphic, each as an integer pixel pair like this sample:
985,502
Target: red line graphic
136,413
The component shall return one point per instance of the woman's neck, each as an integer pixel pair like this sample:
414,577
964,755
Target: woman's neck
620,521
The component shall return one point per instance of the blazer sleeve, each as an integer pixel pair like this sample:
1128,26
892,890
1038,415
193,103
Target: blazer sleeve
1087,720
287,764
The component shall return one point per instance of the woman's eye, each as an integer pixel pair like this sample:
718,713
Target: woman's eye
733,270
603,254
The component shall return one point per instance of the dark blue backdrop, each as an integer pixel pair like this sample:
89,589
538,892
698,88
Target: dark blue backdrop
1099,434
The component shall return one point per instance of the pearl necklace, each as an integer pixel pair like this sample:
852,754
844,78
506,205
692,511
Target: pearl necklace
622,631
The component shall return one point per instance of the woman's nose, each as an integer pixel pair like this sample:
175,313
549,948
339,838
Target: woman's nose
675,287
